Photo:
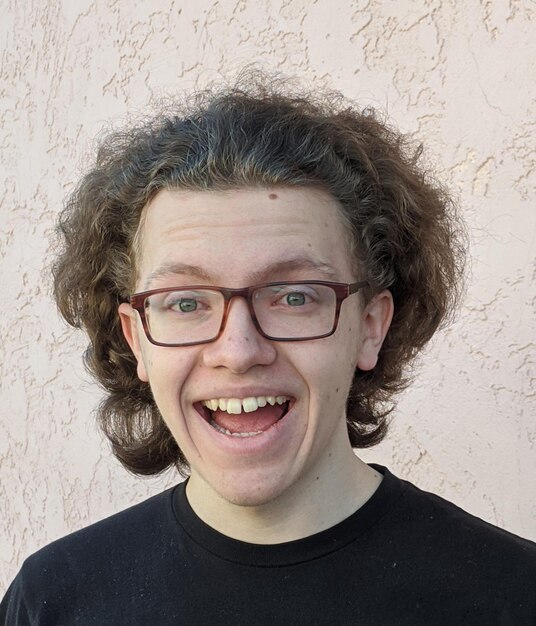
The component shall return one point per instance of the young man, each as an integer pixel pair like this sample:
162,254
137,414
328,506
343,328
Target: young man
255,273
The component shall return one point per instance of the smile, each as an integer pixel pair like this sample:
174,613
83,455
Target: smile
246,417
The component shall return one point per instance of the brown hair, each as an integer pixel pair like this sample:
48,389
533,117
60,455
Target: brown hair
404,234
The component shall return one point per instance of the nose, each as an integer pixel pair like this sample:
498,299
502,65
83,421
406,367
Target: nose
240,346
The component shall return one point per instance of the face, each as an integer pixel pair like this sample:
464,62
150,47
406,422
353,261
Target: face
236,239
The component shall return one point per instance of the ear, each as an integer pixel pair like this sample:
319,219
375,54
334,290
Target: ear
131,330
375,321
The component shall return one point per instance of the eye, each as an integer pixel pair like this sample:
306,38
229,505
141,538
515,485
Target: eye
184,302
295,298
185,305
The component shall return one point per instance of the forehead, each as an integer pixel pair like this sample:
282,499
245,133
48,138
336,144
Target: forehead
240,237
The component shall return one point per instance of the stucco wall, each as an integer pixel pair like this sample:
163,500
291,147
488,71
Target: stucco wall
457,75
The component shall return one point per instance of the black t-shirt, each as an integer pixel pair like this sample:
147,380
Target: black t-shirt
405,557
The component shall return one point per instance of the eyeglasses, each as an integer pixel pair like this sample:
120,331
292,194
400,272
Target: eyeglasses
284,311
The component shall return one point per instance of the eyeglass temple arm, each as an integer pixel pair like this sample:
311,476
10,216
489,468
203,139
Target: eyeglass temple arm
352,288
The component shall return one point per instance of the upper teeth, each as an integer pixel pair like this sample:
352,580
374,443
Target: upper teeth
235,406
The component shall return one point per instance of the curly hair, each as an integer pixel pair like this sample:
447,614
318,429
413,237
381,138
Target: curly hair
404,233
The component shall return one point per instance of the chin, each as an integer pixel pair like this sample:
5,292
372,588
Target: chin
250,492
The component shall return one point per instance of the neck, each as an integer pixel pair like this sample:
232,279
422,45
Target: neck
339,486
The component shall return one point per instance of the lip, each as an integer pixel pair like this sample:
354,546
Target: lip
201,409
266,442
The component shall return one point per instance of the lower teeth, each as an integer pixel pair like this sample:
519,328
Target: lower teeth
224,431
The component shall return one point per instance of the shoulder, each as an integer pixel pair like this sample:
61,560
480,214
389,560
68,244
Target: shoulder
135,526
84,562
463,544
437,513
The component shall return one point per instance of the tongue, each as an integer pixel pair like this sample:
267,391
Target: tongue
261,419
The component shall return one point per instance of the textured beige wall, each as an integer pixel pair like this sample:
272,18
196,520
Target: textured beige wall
457,75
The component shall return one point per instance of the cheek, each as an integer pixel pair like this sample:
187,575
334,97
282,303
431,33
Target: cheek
351,339
168,370
328,370
343,368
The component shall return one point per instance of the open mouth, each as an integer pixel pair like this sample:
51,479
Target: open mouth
246,417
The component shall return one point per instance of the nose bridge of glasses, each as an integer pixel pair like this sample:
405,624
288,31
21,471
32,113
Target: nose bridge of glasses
231,296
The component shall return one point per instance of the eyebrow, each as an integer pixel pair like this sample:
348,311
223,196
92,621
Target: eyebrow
301,263
176,269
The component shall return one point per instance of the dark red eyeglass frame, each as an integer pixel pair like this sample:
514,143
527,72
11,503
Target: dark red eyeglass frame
342,291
